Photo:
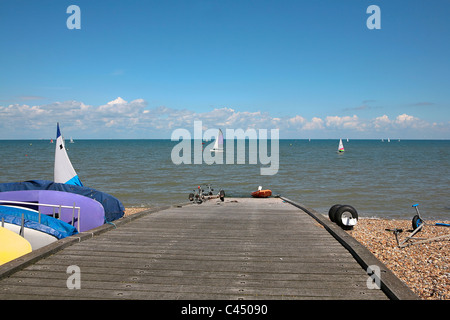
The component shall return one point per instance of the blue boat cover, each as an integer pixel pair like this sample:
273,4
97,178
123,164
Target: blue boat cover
113,207
49,225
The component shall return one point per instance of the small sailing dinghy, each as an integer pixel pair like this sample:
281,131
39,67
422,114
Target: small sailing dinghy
114,209
12,246
341,147
64,171
261,193
218,144
92,213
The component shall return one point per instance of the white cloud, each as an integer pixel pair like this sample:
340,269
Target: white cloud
345,122
381,122
402,121
122,119
314,124
122,107
405,121
296,121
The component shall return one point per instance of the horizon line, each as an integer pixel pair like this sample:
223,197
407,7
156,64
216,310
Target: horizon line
307,139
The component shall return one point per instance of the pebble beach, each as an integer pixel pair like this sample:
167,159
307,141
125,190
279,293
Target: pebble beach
424,267
130,211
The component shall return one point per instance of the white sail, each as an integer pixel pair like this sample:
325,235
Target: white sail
341,146
64,171
218,143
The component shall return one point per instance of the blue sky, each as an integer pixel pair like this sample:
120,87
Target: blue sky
310,68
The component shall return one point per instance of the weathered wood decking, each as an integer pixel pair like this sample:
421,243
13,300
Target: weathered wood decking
237,249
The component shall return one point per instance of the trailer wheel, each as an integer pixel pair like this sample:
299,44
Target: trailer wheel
332,212
344,213
222,195
416,222
191,197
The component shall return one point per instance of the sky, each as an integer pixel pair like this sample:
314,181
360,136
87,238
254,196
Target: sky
141,69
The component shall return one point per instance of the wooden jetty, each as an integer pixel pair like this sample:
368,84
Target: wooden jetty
237,249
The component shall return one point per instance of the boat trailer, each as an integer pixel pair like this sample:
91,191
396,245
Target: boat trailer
418,223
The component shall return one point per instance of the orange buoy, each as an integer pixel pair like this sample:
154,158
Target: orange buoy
262,193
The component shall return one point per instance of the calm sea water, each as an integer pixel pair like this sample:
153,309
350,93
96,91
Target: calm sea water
381,179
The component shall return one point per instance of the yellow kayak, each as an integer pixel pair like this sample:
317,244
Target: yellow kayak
12,245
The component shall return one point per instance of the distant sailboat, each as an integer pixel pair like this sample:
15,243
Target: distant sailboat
341,146
218,144
64,171
71,140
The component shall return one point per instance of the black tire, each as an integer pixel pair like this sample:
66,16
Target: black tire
191,197
345,211
332,212
222,195
416,222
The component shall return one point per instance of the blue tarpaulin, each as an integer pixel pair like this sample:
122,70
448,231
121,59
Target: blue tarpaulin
113,207
49,225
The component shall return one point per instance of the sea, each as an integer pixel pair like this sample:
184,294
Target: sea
378,178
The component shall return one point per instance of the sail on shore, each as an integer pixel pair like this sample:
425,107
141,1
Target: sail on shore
64,171
218,143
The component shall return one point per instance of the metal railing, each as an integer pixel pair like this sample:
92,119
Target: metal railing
54,206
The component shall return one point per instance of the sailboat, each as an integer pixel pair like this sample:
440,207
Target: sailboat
218,144
71,140
64,171
341,146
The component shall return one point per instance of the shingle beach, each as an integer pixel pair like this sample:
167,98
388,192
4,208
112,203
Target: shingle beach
424,267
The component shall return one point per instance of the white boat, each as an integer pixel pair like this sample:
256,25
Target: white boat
341,146
218,143
71,140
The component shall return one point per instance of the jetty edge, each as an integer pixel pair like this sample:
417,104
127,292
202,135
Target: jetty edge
391,285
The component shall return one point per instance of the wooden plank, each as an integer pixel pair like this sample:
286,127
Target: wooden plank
206,278
138,290
250,249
